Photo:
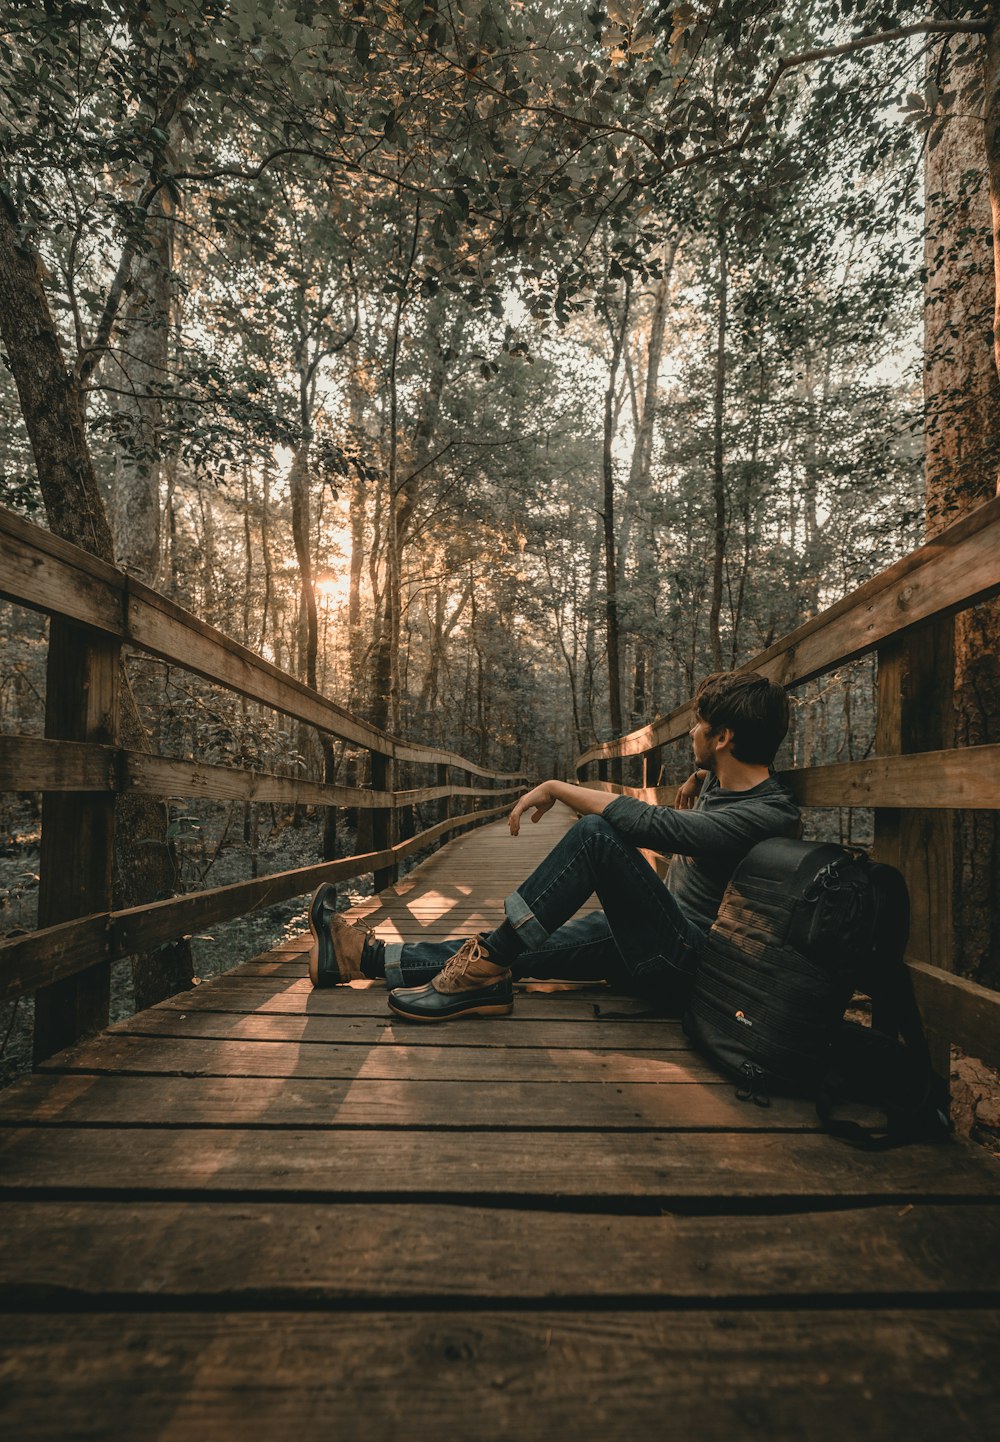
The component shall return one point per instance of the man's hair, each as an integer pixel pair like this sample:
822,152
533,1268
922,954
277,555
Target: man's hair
753,708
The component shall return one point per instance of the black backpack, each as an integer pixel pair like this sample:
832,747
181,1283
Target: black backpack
802,926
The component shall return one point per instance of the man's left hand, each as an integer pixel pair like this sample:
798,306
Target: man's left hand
539,798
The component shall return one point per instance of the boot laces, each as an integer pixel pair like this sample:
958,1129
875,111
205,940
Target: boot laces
361,926
467,955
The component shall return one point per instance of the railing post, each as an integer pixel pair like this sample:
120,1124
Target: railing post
407,826
444,805
81,704
329,812
602,770
382,773
652,765
913,713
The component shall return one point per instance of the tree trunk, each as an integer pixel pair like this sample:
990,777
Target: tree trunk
642,451
298,484
718,457
355,635
51,404
962,396
618,334
136,369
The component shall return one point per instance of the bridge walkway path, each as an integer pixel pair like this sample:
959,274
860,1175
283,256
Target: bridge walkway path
259,1211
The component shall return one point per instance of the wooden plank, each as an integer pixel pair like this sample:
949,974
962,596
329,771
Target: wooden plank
534,1376
256,1256
914,711
308,1103
257,995
954,571
47,574
27,962
166,630
41,763
675,1168
43,956
160,776
507,1032
118,1053
161,627
959,1009
967,778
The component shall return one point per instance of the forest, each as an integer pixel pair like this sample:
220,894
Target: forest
497,369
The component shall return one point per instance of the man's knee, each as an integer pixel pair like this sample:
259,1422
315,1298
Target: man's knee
595,826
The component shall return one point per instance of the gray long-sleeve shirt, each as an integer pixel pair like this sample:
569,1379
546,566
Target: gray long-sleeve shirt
708,842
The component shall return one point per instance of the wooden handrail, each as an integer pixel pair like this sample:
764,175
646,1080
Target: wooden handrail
958,569
47,574
966,778
38,763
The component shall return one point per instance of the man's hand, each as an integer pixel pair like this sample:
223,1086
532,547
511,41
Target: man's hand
688,794
540,798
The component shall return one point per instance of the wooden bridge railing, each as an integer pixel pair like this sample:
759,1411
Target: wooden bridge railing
905,615
80,766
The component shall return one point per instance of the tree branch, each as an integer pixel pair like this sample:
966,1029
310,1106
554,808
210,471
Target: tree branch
828,52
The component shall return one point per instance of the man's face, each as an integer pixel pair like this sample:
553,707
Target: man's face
703,741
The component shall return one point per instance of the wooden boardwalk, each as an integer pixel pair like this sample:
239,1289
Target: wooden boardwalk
260,1212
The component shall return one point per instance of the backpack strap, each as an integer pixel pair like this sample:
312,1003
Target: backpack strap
894,1005
853,1133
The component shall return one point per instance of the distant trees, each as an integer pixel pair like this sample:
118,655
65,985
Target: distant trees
497,370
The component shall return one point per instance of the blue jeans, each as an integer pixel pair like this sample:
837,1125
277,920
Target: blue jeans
641,941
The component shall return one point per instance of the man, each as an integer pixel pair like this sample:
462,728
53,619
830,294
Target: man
647,937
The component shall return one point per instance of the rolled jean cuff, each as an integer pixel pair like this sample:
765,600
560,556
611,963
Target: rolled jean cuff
524,921
393,964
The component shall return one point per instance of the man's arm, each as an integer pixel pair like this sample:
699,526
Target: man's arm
542,798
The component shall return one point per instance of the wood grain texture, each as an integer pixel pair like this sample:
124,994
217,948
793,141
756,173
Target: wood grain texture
42,763
506,1033
265,996
697,1168
962,1010
282,1252
535,1376
965,778
303,1102
430,1060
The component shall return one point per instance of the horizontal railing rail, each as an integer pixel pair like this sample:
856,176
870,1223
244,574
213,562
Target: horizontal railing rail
48,574
891,615
80,768
37,763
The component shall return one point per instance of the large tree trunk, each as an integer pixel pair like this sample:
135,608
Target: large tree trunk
642,450
962,396
51,404
135,371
